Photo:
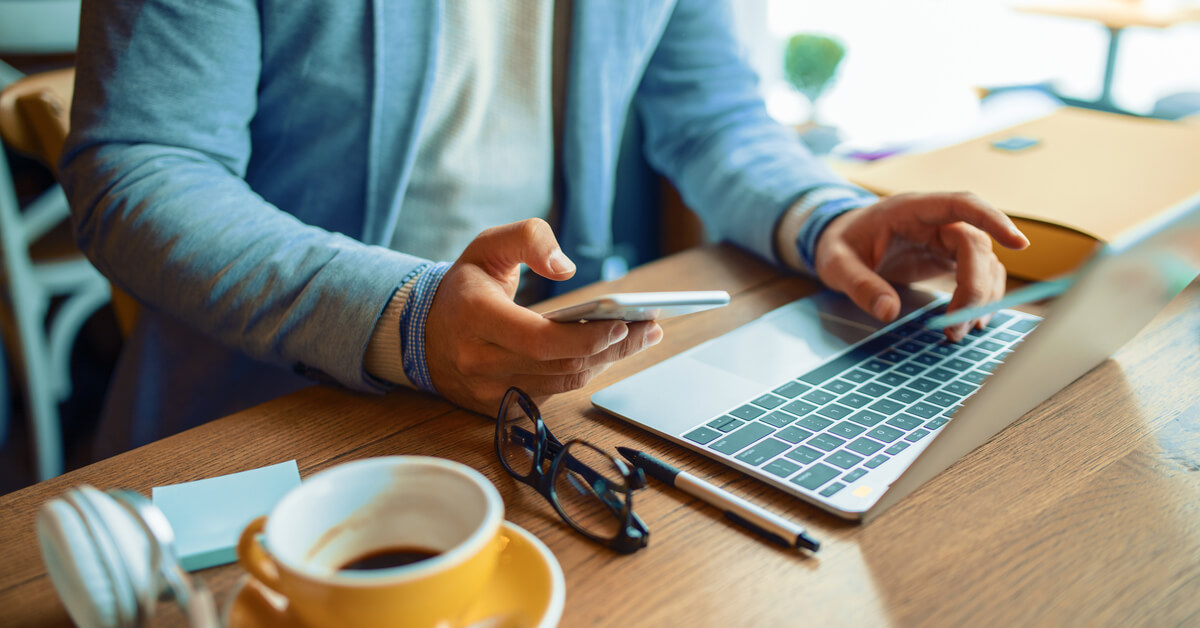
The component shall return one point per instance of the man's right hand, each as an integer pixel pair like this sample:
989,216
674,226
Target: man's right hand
478,342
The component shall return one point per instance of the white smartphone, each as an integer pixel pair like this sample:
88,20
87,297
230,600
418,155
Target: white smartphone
640,306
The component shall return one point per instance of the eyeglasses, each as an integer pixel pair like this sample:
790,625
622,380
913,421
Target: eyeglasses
592,491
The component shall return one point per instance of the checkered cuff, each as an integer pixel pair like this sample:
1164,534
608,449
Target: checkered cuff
412,325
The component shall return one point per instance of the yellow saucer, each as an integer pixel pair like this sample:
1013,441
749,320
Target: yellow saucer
527,591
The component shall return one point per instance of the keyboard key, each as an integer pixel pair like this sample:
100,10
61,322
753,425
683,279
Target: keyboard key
956,364
791,390
847,429
904,395
814,422
719,422
876,366
989,346
917,435
941,374
793,434
910,368
924,410
847,360
936,423
905,421
885,433
803,454
769,401
897,448
910,346
843,459
998,319
832,489
740,439
799,408
702,435
892,379
827,442
854,475
777,419
813,477
864,446
855,400
928,337
891,355
923,384
781,467
973,355
747,412
944,349
819,397
874,389
949,412
989,366
834,411
857,376
839,386
731,424
763,451
960,388
887,407
1005,337
876,461
1024,325
943,399
975,377
928,359
867,418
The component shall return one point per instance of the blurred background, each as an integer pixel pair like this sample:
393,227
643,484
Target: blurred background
859,79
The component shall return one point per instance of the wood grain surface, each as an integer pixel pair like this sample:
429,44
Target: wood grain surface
1084,512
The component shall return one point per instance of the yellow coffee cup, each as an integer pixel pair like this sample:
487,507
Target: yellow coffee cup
391,541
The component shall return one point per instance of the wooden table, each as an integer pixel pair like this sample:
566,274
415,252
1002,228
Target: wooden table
1085,512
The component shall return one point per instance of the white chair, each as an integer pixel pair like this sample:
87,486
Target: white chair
33,121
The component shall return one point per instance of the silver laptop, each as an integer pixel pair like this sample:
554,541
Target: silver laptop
818,399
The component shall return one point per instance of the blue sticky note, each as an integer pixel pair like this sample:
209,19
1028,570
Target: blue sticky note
1015,143
208,515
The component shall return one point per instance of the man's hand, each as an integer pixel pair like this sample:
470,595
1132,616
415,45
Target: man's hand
478,342
910,237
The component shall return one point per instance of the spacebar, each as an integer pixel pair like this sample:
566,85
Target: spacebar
846,360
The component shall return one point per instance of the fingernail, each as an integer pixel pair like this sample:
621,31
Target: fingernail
654,336
882,307
618,333
958,331
560,263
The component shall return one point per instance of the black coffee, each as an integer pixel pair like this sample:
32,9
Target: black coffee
388,557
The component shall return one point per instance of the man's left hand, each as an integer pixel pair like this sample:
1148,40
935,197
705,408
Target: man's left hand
910,237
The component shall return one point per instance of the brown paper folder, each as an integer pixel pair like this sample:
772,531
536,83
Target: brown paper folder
1089,177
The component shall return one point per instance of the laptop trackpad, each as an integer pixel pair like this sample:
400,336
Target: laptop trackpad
676,394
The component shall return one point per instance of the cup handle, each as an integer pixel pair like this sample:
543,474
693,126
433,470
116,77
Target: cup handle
254,559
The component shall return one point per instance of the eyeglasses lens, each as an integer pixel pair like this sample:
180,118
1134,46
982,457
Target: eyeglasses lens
517,436
591,490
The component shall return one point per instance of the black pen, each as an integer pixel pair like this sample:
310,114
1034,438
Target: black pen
767,524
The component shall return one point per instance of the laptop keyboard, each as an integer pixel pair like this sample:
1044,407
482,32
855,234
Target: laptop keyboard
831,426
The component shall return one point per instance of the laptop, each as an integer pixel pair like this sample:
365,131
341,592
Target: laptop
823,402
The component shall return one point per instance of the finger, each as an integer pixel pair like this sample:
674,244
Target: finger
641,336
946,208
524,332
999,287
975,274
501,250
845,272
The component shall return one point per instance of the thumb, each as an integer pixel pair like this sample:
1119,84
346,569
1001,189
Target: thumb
864,286
501,250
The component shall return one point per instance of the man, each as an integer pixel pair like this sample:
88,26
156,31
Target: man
273,179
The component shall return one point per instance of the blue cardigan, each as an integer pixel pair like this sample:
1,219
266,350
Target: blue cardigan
238,165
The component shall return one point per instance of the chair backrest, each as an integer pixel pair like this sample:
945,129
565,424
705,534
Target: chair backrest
35,114
34,120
